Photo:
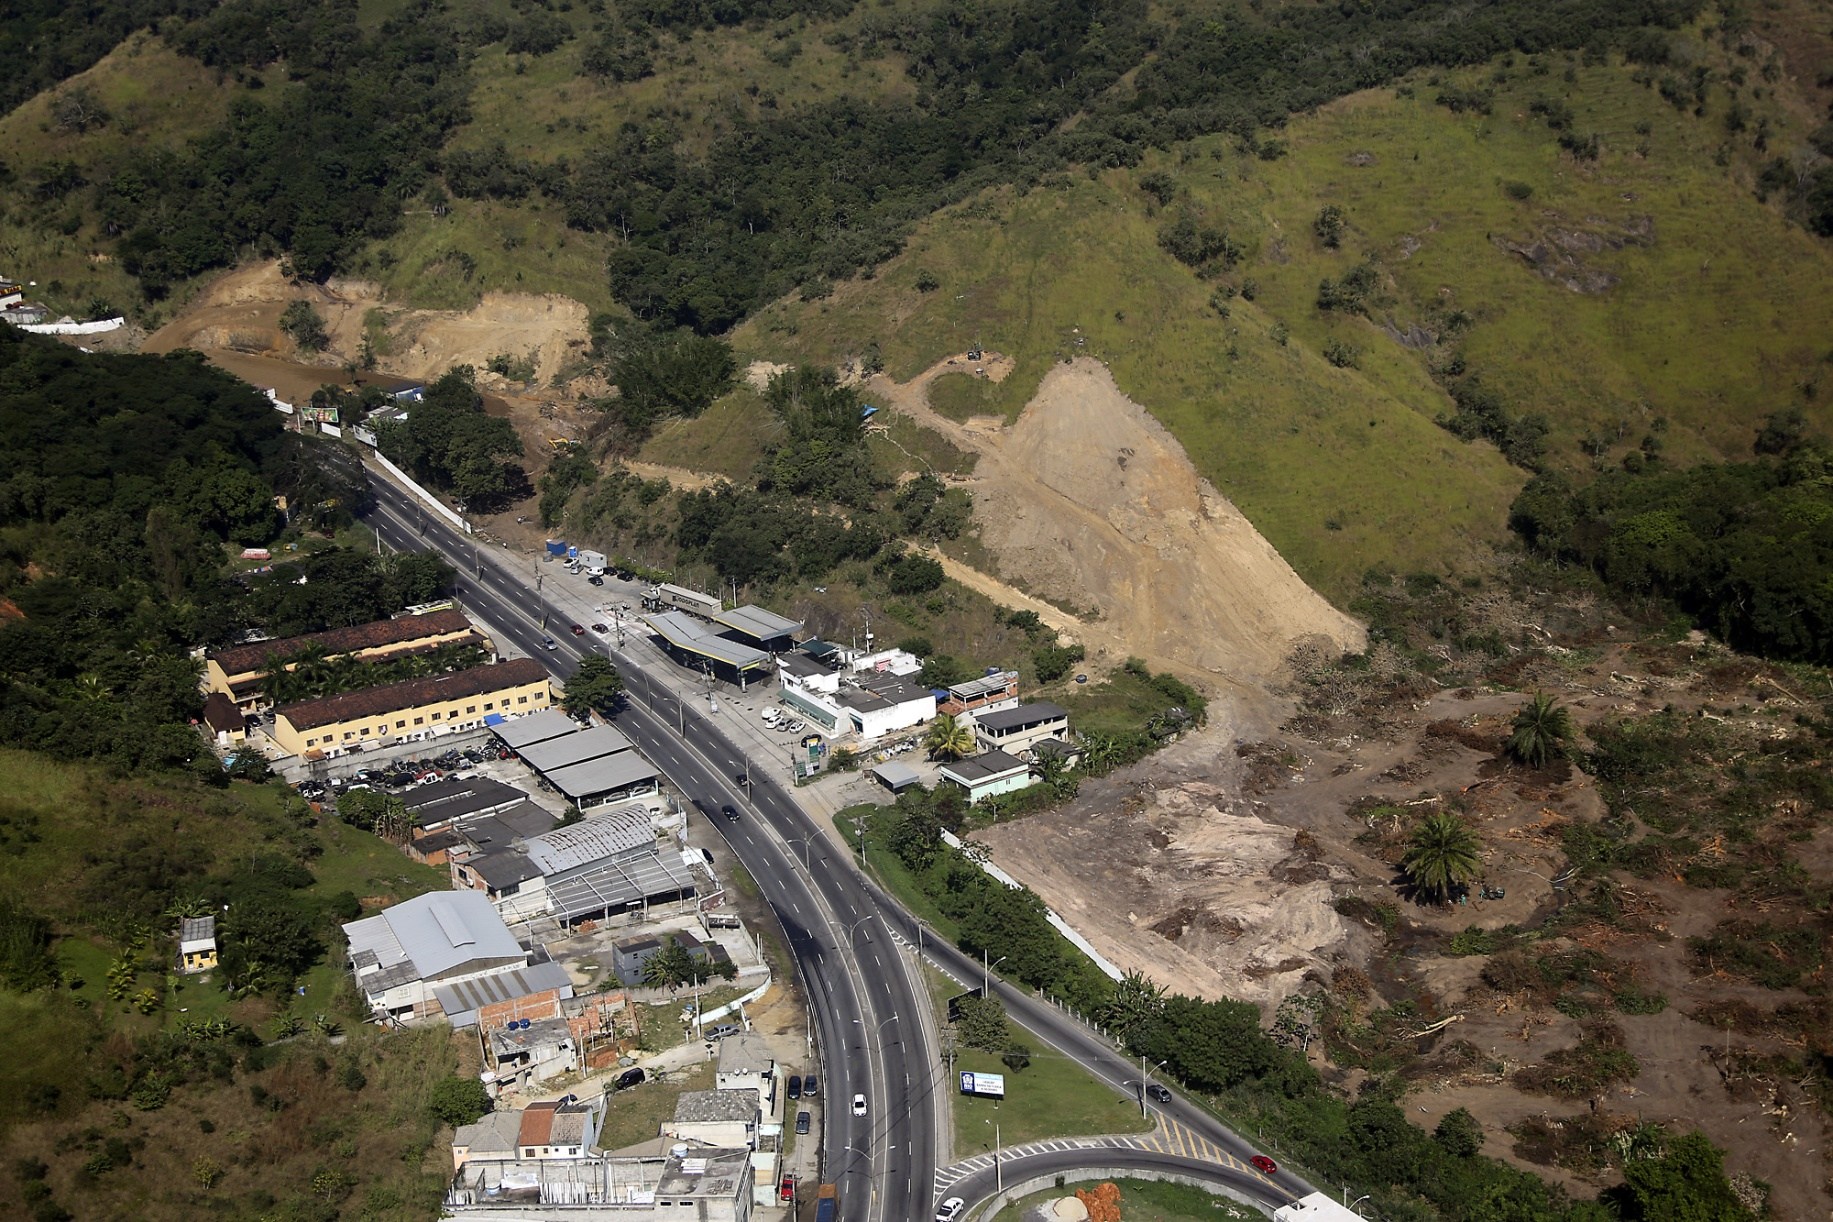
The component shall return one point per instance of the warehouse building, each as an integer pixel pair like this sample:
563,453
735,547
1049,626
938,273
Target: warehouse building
412,710
405,955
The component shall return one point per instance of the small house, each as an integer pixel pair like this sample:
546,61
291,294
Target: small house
197,945
987,775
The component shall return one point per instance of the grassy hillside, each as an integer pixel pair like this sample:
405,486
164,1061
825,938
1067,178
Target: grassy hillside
1717,310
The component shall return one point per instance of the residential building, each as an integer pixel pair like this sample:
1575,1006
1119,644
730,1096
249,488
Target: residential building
196,944
412,710
1015,729
237,671
724,1118
494,1138
869,704
224,722
990,693
745,1063
987,775
560,1130
405,957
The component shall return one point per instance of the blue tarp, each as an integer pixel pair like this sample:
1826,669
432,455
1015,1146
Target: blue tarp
493,719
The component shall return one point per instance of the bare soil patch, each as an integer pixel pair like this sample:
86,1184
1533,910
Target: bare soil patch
1087,502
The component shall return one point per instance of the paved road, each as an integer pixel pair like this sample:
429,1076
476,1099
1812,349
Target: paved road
863,995
848,936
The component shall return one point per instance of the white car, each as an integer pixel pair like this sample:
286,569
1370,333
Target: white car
770,714
859,1105
951,1210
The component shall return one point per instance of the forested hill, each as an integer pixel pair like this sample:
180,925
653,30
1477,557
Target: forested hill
339,122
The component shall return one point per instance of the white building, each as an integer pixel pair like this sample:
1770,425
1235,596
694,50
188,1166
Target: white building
688,1185
1015,729
605,864
1318,1207
870,704
745,1063
725,1118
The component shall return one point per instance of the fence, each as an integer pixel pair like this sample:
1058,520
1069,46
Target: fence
1058,923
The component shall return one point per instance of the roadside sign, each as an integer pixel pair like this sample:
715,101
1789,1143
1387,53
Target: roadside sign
988,1085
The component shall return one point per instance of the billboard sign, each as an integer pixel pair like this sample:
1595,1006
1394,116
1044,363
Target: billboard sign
988,1085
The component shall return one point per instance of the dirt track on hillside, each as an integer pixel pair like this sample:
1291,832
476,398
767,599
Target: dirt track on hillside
1091,504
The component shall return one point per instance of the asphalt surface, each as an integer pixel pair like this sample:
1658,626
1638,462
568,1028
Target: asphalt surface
865,1002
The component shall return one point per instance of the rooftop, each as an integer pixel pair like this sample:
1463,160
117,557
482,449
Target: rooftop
519,732
598,776
1034,714
745,1053
716,1106
495,1133
757,623
580,844
897,776
243,659
574,748
412,693
686,633
618,883
435,933
519,822
197,929
983,767
989,685
461,1001
221,714
719,1174
443,801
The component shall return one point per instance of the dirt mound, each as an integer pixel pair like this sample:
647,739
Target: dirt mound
1090,503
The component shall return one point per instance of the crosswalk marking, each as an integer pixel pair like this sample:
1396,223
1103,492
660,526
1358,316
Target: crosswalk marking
1170,1137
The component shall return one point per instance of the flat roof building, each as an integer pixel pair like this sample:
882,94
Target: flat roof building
694,642
446,802
412,710
1016,728
517,732
604,781
404,954
575,748
765,629
987,775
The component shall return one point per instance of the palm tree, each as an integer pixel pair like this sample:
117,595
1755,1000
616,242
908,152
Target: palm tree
1442,855
1136,1000
949,738
1541,730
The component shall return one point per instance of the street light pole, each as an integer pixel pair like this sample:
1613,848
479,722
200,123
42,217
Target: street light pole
1145,1080
986,972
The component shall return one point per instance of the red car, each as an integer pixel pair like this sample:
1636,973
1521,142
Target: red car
786,1191
1263,1163
578,630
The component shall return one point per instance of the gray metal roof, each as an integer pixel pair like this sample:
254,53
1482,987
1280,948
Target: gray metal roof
574,748
581,844
446,801
602,775
896,775
519,732
685,632
461,1001
619,883
1035,714
757,623
745,1053
983,767
197,929
435,933
503,868
973,689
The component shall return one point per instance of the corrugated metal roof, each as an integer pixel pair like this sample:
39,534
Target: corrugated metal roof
568,848
1024,715
616,884
897,776
435,933
685,632
602,775
519,732
983,767
463,1000
757,623
574,748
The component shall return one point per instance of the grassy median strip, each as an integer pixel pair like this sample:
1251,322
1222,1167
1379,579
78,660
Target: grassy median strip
1145,1201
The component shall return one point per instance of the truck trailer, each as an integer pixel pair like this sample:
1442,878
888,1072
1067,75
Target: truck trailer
592,562
827,1203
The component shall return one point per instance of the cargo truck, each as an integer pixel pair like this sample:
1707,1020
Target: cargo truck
827,1203
592,562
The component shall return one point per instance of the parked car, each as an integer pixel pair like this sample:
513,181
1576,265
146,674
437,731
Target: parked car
1263,1163
601,629
804,1122
770,713
859,1105
786,1191
951,1210
597,581
811,1086
630,1077
721,1031
795,1086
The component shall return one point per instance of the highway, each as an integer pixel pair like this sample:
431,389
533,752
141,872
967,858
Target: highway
864,999
868,1006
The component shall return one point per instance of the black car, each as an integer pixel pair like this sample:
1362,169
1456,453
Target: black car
730,812
597,581
629,1078
1158,1094
795,1086
811,1086
803,1122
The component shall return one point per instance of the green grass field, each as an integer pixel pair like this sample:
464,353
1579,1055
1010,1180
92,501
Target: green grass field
1050,1097
727,439
1145,1201
1721,318
636,1115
